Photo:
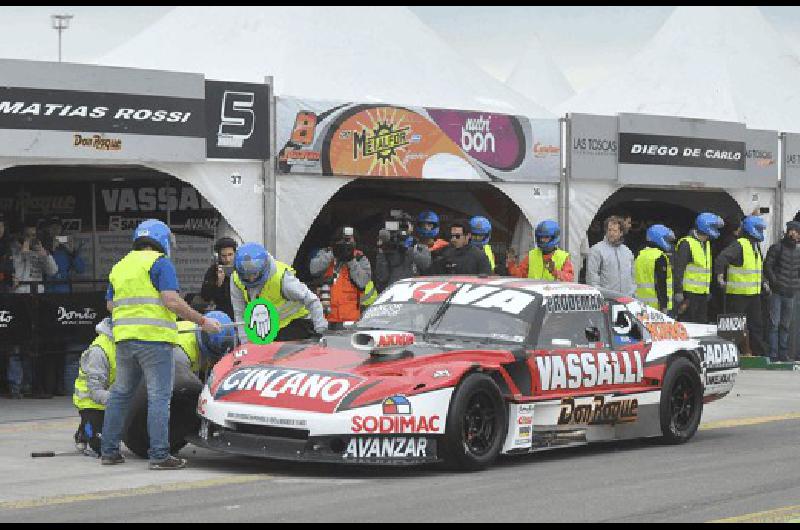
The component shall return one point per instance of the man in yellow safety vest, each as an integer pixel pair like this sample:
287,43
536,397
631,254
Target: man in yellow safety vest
691,269
652,269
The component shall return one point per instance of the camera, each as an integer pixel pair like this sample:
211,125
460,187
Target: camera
396,230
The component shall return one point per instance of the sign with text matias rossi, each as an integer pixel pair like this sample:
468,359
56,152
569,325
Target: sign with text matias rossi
662,150
237,120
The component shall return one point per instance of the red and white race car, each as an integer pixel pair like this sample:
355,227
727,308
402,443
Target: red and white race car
462,369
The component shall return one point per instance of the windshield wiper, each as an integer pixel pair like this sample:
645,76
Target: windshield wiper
437,316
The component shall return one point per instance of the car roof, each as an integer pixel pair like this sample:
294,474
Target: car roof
545,288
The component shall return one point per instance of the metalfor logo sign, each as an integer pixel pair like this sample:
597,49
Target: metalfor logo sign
237,120
652,149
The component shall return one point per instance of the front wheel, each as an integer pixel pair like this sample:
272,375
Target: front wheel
681,402
476,424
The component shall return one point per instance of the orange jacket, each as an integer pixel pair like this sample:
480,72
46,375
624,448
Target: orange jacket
520,270
437,244
345,305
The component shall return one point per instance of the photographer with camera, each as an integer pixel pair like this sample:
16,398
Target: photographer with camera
399,254
460,257
344,278
67,258
6,263
216,287
31,263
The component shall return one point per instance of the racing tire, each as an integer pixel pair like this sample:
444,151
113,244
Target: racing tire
183,418
681,404
476,424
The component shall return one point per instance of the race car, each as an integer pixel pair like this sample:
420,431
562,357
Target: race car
462,369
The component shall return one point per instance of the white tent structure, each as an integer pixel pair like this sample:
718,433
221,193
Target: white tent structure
706,62
537,77
359,54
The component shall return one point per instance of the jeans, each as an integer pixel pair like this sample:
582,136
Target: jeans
72,364
781,312
153,360
20,371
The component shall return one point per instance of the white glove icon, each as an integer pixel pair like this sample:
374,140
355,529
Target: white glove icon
259,319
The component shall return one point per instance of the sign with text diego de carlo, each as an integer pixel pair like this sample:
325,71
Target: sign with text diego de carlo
74,111
668,150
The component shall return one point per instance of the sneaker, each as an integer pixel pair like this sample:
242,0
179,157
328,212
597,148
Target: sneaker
112,460
171,462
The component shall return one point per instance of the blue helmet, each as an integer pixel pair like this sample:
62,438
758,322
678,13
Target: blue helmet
662,237
213,347
427,217
156,233
252,263
754,226
709,224
481,227
548,228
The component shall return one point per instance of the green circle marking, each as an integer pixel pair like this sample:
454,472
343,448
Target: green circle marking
252,329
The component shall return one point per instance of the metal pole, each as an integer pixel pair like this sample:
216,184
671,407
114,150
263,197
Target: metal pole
566,142
270,179
59,44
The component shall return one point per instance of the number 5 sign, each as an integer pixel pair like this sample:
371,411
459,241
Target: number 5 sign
237,120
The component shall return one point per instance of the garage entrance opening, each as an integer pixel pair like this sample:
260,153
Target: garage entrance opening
676,209
366,204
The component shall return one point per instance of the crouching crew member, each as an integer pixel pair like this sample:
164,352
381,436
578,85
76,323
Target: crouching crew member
259,275
199,351
98,370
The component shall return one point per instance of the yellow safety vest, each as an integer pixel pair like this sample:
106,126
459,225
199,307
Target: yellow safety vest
697,276
271,292
487,249
645,270
536,268
747,278
138,312
81,398
188,343
368,297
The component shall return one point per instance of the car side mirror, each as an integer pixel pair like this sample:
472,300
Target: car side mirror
592,334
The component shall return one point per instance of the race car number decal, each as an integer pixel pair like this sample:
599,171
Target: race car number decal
587,370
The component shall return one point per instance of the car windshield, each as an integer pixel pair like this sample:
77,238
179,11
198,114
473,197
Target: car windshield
475,311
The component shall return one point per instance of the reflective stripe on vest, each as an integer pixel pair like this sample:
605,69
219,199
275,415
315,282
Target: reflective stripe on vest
271,291
189,345
82,398
697,276
487,249
369,295
645,270
536,268
138,312
747,278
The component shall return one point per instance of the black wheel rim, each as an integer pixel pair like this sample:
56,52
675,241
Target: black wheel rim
480,424
683,404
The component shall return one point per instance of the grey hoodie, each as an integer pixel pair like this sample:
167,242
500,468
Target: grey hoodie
611,267
96,368
291,288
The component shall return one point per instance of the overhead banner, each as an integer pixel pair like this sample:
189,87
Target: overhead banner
593,145
71,111
237,120
386,141
661,150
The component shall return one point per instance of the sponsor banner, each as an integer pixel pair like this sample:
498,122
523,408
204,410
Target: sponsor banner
511,301
791,157
656,149
720,356
385,141
574,371
762,157
520,427
16,318
593,145
237,120
273,386
70,316
375,449
398,418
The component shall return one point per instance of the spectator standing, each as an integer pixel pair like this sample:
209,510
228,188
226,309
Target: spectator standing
217,282
399,257
610,263
460,257
782,271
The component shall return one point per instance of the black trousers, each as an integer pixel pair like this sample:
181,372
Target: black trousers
91,428
697,309
749,305
299,329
